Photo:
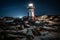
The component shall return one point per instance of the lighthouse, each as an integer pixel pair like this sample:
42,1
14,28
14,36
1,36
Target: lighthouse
31,11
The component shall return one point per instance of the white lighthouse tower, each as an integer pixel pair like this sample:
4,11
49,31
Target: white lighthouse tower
31,11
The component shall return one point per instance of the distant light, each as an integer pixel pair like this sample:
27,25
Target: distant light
20,16
30,4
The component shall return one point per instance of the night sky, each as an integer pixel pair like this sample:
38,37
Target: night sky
17,8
